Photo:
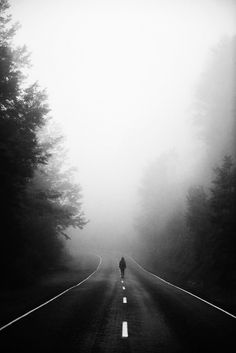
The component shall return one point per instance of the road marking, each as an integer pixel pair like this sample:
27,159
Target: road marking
184,290
50,300
122,281
124,300
123,288
124,329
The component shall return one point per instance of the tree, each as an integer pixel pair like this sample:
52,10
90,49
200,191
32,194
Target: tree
223,207
22,113
211,222
38,200
197,217
215,103
223,196
55,180
161,223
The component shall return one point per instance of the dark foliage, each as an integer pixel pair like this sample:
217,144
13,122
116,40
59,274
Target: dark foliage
223,210
34,213
196,246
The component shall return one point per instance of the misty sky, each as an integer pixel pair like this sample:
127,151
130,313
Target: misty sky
120,76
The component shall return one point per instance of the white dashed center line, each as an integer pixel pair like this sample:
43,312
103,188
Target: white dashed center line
123,288
124,329
124,300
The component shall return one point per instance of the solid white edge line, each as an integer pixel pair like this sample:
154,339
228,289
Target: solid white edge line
50,300
203,300
124,329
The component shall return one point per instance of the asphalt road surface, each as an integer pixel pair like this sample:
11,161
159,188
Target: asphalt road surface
154,317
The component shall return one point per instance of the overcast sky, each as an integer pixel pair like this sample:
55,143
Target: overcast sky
120,76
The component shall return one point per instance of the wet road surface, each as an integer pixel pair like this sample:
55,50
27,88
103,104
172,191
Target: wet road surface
154,317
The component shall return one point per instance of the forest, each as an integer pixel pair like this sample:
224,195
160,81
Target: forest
186,225
39,198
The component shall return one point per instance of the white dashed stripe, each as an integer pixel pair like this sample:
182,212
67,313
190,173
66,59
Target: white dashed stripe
124,329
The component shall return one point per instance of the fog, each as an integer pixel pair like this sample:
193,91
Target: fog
122,79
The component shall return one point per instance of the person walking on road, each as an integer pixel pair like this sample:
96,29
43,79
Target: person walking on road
122,266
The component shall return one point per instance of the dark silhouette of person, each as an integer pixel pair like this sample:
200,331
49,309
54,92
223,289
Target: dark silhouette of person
122,266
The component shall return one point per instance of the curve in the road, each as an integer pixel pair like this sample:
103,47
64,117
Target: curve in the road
184,290
50,300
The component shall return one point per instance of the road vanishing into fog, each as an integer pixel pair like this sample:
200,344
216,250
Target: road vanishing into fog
152,315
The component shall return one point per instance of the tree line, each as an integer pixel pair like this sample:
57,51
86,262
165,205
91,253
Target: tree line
186,226
211,222
192,241
39,198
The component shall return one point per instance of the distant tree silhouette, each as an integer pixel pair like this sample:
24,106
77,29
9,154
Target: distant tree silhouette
215,102
198,221
161,221
195,243
223,207
211,221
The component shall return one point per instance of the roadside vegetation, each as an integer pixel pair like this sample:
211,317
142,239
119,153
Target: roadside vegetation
186,225
39,198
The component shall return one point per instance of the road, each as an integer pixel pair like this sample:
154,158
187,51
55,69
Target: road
89,318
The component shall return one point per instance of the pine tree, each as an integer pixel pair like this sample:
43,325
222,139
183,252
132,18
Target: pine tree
223,205
22,113
38,203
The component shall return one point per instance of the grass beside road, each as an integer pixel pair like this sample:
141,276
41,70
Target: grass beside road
14,303
223,298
